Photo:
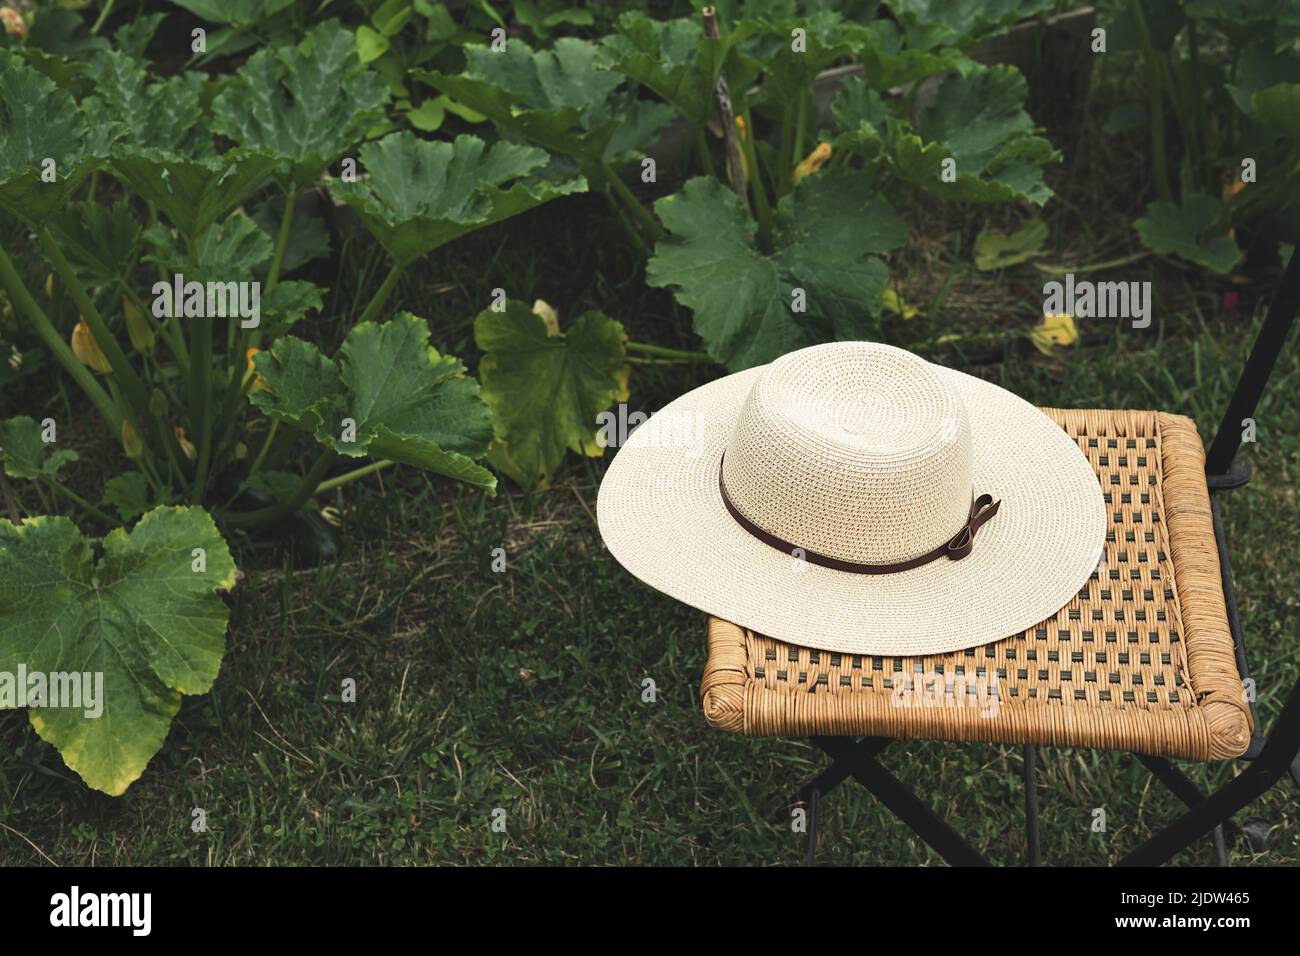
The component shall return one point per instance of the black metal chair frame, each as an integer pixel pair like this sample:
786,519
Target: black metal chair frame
1270,757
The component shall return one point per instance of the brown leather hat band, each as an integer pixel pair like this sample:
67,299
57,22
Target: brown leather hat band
955,548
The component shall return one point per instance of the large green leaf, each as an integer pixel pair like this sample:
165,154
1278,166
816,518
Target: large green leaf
827,232
23,453
141,615
305,104
860,116
192,192
1185,231
419,194
887,62
545,388
673,58
239,13
98,240
39,123
234,250
932,23
1278,107
403,399
789,72
301,381
162,115
560,98
977,120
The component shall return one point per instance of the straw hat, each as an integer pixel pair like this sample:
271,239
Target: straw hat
854,497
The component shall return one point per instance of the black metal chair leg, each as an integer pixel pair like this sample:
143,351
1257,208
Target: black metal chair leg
830,778
1182,787
1258,368
810,858
1035,856
900,801
1274,760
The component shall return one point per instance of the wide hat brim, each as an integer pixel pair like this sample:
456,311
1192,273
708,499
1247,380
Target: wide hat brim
662,517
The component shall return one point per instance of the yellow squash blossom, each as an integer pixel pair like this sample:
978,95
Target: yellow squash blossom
87,349
812,162
743,132
187,446
259,383
13,23
546,312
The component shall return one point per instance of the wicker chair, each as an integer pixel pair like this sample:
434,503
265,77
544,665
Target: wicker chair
1147,658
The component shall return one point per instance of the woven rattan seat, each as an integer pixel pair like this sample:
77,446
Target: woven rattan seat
1142,659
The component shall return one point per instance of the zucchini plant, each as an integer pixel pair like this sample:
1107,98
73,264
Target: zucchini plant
1217,94
792,250
148,237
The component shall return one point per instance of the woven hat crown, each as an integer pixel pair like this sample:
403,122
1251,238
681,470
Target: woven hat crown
854,450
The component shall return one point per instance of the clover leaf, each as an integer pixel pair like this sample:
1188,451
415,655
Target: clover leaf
419,194
546,387
387,393
144,614
746,302
304,105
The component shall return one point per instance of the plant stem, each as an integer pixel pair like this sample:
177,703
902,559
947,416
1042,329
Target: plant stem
1094,267
633,235
103,15
384,291
332,483
266,446
659,351
281,509
78,500
201,404
1157,118
1202,149
63,353
801,119
648,222
761,207
173,463
702,146
282,240
787,140
130,383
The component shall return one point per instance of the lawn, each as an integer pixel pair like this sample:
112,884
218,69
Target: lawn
522,690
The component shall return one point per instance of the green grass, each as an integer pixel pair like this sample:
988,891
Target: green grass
522,690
